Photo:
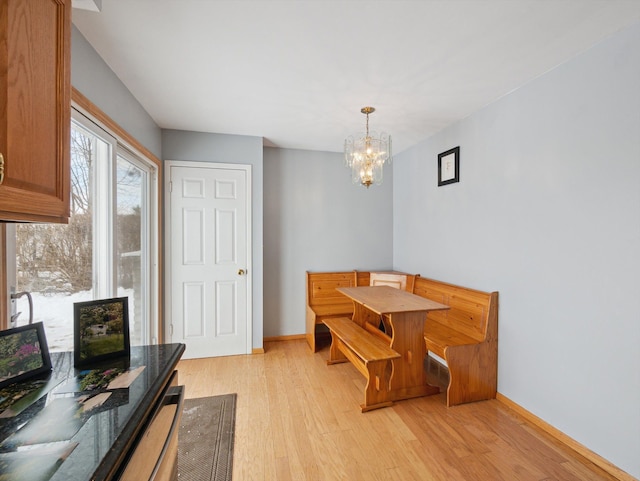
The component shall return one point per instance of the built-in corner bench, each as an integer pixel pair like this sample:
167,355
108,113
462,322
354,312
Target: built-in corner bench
324,302
465,336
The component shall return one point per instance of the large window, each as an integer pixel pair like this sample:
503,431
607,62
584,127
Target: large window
106,250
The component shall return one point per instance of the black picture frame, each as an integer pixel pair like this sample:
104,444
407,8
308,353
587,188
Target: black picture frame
24,354
101,330
449,166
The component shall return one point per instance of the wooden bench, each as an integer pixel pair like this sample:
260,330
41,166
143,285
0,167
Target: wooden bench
369,353
465,336
324,302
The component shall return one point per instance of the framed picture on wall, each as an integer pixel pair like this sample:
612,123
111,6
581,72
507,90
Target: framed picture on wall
449,166
23,354
101,330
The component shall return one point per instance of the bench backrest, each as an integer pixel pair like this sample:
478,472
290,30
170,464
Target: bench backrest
473,313
321,290
323,297
362,278
399,280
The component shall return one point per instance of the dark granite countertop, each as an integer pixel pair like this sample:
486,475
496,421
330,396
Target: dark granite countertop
66,430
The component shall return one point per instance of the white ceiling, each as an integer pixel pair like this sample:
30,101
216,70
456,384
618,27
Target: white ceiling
298,72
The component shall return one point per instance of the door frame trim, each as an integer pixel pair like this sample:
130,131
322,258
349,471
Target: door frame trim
247,169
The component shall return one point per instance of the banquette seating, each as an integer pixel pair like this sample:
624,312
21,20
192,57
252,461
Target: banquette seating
464,336
324,302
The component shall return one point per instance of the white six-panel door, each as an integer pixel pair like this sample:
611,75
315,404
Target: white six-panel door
208,276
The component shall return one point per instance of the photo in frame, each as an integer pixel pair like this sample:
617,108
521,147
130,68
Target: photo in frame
24,354
449,166
101,330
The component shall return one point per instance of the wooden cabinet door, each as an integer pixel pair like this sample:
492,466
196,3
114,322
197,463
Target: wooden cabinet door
35,110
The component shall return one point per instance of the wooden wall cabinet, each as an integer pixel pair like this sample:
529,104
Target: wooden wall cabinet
35,110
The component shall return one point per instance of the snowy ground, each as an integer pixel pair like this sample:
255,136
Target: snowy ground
56,313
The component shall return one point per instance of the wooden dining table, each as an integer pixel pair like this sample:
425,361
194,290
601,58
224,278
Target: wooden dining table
403,315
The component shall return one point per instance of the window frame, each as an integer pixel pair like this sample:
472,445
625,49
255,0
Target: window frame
103,225
150,222
128,147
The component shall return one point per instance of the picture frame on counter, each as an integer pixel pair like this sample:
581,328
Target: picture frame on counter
24,354
101,330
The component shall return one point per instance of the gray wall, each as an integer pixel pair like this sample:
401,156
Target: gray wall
230,149
547,212
316,220
95,80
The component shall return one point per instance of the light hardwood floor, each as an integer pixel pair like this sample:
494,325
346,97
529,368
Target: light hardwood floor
298,419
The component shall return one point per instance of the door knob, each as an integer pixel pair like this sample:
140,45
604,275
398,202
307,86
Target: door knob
241,272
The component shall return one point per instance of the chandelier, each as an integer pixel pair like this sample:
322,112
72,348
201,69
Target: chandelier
366,153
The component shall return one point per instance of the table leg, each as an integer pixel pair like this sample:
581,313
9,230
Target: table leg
363,316
409,379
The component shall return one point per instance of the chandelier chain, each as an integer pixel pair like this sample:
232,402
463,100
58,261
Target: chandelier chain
367,124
